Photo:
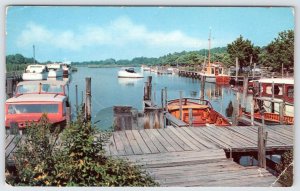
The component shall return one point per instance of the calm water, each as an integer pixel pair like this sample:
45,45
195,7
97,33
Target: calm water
108,90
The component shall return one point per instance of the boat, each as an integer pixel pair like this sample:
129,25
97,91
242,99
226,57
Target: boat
214,72
270,101
202,112
55,70
129,73
66,69
25,109
35,72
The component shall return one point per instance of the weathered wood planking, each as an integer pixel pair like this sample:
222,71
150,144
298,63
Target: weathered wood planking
235,138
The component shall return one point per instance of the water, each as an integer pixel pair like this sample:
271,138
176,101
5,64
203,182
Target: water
108,90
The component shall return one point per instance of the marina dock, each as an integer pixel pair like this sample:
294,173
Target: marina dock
190,156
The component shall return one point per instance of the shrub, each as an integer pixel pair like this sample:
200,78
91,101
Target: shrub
78,160
285,167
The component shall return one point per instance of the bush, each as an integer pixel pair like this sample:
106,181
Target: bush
78,160
285,168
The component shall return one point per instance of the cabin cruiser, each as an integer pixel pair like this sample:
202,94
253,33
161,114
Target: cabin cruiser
271,102
25,109
129,73
55,70
214,71
35,72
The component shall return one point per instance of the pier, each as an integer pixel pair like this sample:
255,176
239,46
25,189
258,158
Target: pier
207,154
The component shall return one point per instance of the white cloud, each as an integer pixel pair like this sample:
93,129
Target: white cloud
120,32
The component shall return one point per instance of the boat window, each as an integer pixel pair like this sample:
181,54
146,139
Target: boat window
23,89
32,108
277,90
290,91
220,70
51,88
212,71
36,66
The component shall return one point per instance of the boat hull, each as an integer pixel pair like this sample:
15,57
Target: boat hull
124,74
55,74
34,76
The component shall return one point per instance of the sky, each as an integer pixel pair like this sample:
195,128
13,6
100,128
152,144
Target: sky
90,33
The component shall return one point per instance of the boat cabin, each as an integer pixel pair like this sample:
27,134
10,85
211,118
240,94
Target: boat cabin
283,88
42,87
130,70
28,108
214,69
36,68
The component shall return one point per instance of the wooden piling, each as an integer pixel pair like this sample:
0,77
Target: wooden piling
202,87
180,104
190,117
9,87
262,141
88,100
252,111
245,91
68,115
281,113
236,69
122,118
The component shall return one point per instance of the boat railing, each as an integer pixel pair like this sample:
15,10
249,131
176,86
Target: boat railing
196,100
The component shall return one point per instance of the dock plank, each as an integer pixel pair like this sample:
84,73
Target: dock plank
133,143
184,139
127,147
175,138
170,140
155,141
148,141
162,140
141,142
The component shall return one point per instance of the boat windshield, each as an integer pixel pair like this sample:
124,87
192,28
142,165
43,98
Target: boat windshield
34,88
32,108
130,70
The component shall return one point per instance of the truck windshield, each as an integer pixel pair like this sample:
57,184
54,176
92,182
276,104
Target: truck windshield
32,108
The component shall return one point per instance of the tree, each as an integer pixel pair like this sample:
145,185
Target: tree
243,50
279,51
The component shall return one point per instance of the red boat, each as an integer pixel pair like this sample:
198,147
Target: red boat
28,108
202,112
271,118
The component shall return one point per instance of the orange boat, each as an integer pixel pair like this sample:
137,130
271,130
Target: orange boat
201,110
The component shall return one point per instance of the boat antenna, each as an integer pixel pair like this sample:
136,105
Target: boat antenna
33,54
209,44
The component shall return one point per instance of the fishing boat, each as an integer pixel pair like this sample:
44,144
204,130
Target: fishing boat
55,70
35,72
25,109
202,112
66,69
129,73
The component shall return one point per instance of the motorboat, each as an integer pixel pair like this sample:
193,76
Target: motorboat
26,109
66,69
203,114
145,68
55,70
35,72
129,73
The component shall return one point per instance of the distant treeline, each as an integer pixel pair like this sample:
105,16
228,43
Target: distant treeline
278,53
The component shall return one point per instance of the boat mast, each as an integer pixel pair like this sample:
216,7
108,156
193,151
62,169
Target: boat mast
33,54
209,47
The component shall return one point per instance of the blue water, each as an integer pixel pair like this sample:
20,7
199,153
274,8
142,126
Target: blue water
108,90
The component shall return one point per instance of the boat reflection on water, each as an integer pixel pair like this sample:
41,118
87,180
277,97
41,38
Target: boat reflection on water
213,92
128,81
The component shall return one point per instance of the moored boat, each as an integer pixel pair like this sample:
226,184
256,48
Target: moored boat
25,109
55,70
145,68
202,112
129,73
35,72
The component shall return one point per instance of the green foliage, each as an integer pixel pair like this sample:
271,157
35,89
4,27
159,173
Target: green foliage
286,168
243,50
78,161
279,51
17,62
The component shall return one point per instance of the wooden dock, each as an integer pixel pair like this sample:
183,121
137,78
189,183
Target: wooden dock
190,156
197,156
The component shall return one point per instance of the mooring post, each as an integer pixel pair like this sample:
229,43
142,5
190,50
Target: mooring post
262,142
146,93
236,69
281,113
253,72
76,94
202,87
166,107
190,117
162,98
68,115
252,111
88,100
245,91
180,104
9,87
149,87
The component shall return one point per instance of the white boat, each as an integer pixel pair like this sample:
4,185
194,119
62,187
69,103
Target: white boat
129,73
55,70
35,72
